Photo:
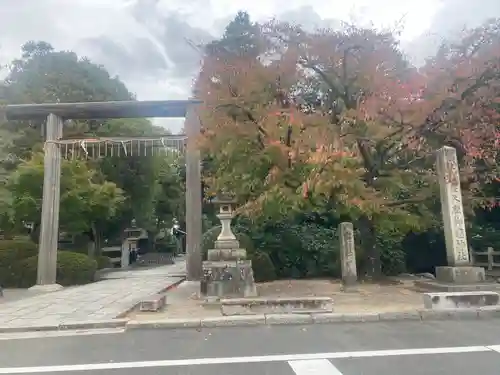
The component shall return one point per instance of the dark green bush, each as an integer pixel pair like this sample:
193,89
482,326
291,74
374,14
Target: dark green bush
209,237
166,244
72,269
263,267
300,250
11,253
103,262
392,253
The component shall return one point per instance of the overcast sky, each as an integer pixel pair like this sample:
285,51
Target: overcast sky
143,41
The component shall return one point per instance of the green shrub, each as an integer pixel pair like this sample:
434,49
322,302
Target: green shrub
392,253
103,262
263,267
209,237
11,253
72,269
166,244
15,250
300,250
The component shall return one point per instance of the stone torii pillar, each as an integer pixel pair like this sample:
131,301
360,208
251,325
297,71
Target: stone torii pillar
49,230
193,197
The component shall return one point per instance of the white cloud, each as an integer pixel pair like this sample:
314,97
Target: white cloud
149,51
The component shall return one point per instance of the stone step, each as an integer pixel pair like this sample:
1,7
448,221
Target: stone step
253,306
460,300
153,304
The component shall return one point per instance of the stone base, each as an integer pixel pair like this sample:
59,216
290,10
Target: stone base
461,275
227,244
458,279
228,279
257,306
437,286
460,300
46,288
226,254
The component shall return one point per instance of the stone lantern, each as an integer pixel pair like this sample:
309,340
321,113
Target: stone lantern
227,272
226,238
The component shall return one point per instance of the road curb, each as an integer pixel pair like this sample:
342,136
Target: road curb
484,313
67,326
320,318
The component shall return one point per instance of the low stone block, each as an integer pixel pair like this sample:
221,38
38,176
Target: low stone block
488,312
153,304
461,275
252,306
460,300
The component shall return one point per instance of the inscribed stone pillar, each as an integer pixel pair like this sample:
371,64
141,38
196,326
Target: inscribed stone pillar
193,198
49,230
347,254
452,207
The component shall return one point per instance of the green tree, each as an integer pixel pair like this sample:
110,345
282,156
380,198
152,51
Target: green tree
241,37
87,201
43,74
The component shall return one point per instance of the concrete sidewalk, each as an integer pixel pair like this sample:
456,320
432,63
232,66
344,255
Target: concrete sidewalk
103,300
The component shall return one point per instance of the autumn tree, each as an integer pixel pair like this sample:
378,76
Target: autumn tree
289,129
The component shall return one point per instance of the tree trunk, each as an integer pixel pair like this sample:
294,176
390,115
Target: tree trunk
372,253
35,233
97,240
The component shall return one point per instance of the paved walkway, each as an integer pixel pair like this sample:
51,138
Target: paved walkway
103,300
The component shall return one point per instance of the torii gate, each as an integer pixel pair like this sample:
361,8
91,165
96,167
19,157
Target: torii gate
56,114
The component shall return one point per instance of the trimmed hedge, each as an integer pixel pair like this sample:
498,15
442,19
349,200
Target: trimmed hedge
12,252
72,269
103,262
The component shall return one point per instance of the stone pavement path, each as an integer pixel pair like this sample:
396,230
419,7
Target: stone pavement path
103,300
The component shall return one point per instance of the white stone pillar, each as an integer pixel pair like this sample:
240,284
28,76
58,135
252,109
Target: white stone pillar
452,208
347,254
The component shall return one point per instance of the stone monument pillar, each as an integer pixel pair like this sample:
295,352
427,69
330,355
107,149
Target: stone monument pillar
227,272
347,254
459,269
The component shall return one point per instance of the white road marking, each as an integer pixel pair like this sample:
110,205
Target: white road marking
41,334
232,360
314,367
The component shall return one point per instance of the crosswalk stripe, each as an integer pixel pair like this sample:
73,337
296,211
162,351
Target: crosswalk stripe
314,367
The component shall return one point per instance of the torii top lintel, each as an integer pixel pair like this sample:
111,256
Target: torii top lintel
99,110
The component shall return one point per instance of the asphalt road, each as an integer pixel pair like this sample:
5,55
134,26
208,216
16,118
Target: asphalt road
392,348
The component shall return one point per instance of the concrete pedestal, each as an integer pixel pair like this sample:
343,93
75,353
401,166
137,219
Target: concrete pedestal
228,279
458,279
461,275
